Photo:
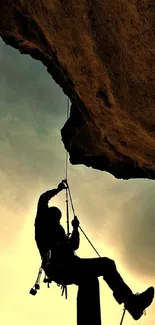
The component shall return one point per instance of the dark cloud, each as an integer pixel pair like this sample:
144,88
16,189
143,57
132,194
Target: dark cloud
32,112
24,79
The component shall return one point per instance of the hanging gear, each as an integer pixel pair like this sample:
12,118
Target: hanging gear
36,286
63,288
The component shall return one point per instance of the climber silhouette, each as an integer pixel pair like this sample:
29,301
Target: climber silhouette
67,268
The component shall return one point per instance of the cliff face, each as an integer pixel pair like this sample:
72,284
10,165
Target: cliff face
102,55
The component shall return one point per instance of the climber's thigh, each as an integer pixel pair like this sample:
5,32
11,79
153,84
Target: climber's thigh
93,267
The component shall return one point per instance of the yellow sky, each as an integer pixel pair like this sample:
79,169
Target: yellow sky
19,267
118,216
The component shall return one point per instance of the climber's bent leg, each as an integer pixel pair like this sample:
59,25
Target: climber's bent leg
135,304
104,267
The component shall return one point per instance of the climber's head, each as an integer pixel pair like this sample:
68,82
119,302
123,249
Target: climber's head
54,214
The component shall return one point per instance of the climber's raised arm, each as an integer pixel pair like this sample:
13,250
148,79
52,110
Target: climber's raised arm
47,196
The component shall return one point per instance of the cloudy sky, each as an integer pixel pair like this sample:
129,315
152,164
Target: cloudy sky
118,216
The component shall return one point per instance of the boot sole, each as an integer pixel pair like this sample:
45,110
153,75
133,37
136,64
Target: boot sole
138,313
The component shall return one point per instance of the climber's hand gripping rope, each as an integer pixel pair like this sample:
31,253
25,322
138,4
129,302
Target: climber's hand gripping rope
75,223
63,185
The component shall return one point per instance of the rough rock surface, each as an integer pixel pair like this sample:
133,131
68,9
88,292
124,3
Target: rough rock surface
102,54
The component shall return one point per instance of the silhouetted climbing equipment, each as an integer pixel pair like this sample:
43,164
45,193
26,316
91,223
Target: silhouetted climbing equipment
64,289
36,286
67,208
124,310
80,226
67,213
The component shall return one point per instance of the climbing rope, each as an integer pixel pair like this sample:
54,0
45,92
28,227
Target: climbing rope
67,209
64,287
124,310
68,112
67,213
68,191
80,226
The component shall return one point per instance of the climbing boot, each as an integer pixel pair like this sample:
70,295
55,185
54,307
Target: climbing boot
136,304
